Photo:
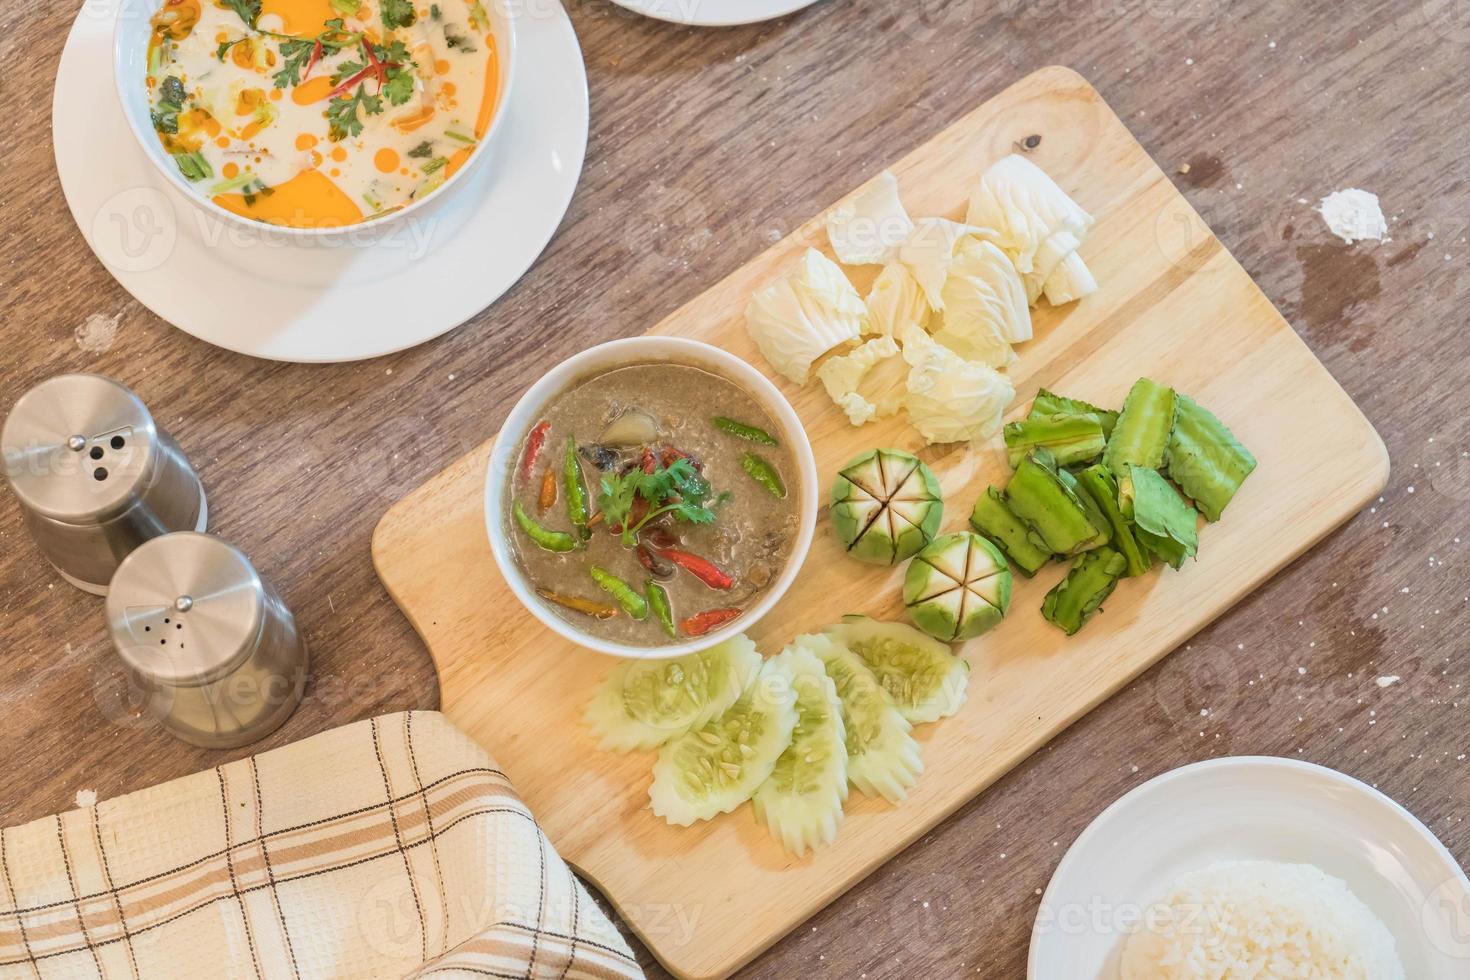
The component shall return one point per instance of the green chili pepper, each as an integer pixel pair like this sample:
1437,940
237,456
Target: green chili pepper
763,473
623,593
658,601
543,536
742,431
576,490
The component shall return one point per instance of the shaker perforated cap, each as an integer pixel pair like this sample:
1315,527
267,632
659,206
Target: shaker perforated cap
79,448
185,609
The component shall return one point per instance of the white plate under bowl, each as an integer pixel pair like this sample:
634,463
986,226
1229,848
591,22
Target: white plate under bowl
263,293
1251,808
714,13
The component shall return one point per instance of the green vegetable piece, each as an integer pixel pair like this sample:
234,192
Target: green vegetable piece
1090,581
886,505
574,489
1142,433
1059,521
763,473
622,593
1071,438
543,536
193,166
1166,522
658,601
740,430
1048,403
1098,483
1205,459
958,587
992,518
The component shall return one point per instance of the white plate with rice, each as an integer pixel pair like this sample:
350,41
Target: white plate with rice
1351,883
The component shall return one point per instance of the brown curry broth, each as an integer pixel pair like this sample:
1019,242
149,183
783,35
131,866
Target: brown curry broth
750,540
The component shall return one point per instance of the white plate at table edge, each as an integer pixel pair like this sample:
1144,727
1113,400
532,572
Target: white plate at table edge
714,13
1401,844
311,303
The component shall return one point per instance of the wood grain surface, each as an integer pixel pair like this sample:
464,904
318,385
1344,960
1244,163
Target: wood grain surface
1173,306
707,147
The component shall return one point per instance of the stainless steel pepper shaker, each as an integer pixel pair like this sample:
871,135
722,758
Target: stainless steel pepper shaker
96,477
211,645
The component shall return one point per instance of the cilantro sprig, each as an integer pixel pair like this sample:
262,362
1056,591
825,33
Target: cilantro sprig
249,10
170,103
343,118
676,489
397,13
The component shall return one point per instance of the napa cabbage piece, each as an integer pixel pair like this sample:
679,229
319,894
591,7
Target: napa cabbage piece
985,306
1035,223
869,229
896,304
803,315
949,398
867,383
929,253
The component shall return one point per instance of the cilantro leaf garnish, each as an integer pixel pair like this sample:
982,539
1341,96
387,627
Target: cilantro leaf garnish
399,87
423,151
249,10
677,489
342,112
397,13
295,53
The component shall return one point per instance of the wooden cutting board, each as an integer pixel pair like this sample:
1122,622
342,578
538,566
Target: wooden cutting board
1174,305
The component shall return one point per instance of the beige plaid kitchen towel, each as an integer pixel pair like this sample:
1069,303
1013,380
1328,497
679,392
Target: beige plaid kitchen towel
386,848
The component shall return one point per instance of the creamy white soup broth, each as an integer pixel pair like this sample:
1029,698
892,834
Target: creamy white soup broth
320,113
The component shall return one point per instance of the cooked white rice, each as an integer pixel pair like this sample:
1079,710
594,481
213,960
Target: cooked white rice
1260,920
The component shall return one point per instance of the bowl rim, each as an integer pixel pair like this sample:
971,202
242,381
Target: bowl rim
632,350
503,25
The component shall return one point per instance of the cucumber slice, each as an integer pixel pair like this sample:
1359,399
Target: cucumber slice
882,757
801,802
714,768
645,703
923,676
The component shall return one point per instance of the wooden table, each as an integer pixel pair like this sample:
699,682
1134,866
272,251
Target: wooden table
707,146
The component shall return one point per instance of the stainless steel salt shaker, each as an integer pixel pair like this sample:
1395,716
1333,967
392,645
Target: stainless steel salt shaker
213,647
96,476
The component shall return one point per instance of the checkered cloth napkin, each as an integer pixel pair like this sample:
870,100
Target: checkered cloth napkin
388,848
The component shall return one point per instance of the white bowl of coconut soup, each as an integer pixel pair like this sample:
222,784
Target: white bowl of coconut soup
313,116
651,497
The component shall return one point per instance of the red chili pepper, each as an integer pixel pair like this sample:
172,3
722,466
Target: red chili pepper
701,568
316,55
701,623
534,444
672,454
648,461
355,79
373,62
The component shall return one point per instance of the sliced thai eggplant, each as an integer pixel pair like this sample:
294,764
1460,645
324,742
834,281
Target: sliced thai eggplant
958,587
886,505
